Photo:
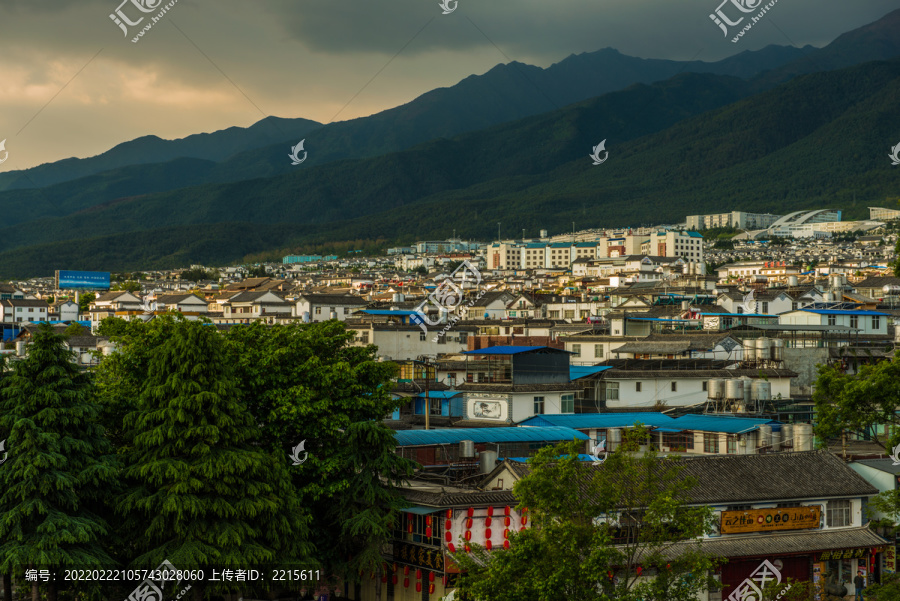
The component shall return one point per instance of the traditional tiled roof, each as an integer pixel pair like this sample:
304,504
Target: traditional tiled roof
335,299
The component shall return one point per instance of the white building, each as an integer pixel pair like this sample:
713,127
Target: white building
322,307
866,322
24,310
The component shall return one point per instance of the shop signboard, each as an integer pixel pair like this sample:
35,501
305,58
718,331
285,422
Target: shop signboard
889,558
767,520
419,556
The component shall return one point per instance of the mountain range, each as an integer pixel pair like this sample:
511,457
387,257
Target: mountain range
772,130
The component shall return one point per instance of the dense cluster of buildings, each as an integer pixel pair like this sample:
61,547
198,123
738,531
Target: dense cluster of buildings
506,347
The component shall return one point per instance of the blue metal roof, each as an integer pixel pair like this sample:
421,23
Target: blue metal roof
599,420
388,312
509,350
658,319
412,438
716,423
581,457
843,312
580,371
440,394
695,234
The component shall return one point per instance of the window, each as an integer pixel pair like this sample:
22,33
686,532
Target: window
318,310
876,322
554,314
538,405
637,386
710,443
421,336
703,387
570,314
598,351
612,391
463,337
674,386
364,336
576,350
837,513
731,447
765,307
346,310
740,310
567,403
854,321
832,320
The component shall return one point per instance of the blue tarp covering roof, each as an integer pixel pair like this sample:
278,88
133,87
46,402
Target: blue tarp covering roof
580,371
510,350
599,420
843,312
411,438
660,421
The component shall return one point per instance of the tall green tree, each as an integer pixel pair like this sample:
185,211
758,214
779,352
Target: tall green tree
861,402
85,300
306,382
599,533
201,489
60,468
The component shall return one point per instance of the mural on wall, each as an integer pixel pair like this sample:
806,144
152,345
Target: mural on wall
487,409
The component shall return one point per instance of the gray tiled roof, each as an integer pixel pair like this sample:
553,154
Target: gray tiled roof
785,542
460,499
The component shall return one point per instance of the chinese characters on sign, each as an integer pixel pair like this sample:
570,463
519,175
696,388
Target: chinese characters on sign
842,554
890,559
764,520
422,557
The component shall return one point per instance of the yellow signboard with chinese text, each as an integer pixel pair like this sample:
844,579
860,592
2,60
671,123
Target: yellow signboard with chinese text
766,520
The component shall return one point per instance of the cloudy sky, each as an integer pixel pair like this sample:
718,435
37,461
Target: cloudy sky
73,85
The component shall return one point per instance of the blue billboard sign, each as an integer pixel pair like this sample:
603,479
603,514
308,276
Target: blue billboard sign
82,280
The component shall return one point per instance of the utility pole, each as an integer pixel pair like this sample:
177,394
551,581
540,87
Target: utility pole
427,398
498,231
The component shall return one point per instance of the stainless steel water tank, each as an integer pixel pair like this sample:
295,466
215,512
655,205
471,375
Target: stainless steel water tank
487,461
787,436
762,349
734,389
715,388
466,449
765,436
777,349
776,440
803,440
762,390
749,349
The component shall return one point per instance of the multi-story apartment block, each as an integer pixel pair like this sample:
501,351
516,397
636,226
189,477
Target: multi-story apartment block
735,219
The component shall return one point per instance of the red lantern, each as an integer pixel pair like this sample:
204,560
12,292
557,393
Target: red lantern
409,527
506,534
524,510
449,514
428,532
506,510
448,525
469,523
395,566
448,537
468,549
428,520
394,579
506,544
406,570
406,583
490,511
384,578
452,547
409,517
639,570
487,522
430,576
471,511
468,535
522,529
487,533
507,521
418,587
488,545
524,519
418,574
431,589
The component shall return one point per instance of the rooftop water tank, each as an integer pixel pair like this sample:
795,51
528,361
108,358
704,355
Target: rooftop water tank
777,349
487,461
715,388
466,449
762,390
734,389
803,440
787,436
749,349
764,439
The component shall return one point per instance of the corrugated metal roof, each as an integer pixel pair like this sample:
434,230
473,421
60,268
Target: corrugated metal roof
411,438
600,420
715,423
387,312
581,371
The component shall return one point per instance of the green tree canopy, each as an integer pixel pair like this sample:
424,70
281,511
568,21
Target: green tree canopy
602,542
60,469
112,326
305,382
200,488
85,300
